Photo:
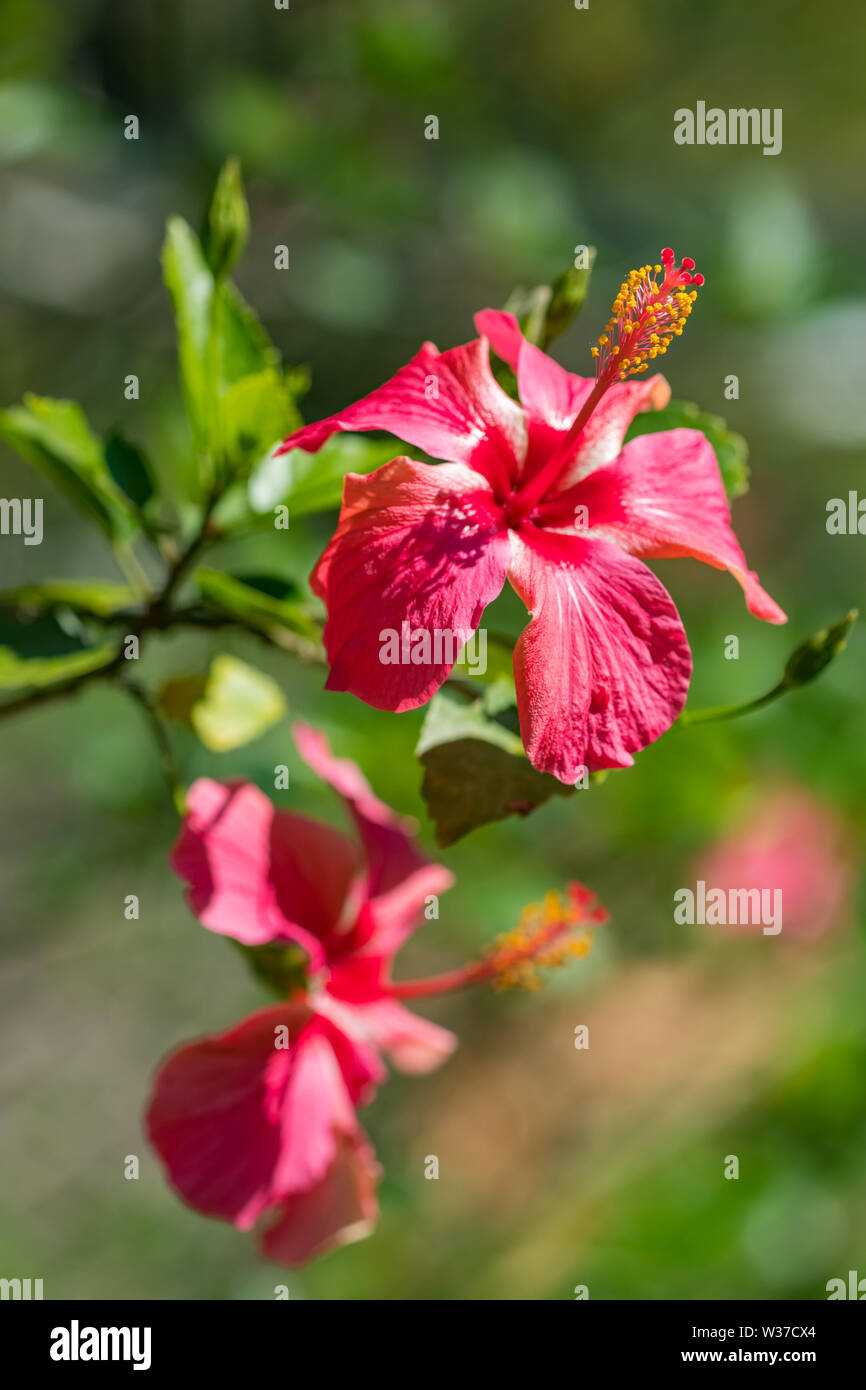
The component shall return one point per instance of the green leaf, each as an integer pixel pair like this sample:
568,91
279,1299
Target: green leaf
309,483
55,438
239,704
258,412
546,311
88,598
261,603
190,284
220,339
44,651
228,220
731,449
475,767
129,469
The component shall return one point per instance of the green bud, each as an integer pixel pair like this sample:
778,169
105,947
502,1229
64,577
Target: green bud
228,222
569,290
810,658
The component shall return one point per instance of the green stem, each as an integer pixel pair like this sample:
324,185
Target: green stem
718,712
167,760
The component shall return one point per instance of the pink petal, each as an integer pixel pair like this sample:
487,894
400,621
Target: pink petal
399,878
215,1114
664,497
446,403
417,544
341,1208
330,1075
259,874
601,438
414,1044
241,1122
553,398
603,668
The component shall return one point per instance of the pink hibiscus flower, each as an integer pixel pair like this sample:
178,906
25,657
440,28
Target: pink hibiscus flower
794,845
541,493
262,1118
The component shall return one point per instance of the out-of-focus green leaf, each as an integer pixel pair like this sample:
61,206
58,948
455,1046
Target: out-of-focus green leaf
731,449
43,651
220,339
314,482
546,311
55,437
239,703
190,284
261,603
228,223
129,469
475,767
89,598
258,412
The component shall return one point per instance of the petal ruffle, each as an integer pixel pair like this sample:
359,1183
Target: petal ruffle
419,552
603,668
341,1208
664,497
447,403
258,874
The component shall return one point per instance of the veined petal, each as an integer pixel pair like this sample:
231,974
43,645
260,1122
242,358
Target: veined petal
258,874
446,403
339,1209
663,496
419,552
603,668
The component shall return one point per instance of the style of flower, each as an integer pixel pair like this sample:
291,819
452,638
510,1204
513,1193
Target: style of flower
260,1121
541,492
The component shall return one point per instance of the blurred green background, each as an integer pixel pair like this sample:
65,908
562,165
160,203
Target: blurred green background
558,1167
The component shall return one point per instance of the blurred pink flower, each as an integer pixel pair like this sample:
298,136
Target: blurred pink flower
261,1118
793,843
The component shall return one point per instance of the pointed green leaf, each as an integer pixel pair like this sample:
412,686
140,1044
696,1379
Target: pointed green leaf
228,220
253,605
54,436
88,598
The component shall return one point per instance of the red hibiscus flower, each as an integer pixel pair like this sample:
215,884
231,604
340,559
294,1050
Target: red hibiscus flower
542,493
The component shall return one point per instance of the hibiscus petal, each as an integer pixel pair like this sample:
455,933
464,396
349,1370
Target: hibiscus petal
215,1115
399,878
330,1074
603,668
446,403
414,1044
553,398
664,497
258,874
420,549
341,1208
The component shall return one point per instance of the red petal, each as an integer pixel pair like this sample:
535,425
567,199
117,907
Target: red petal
664,497
446,403
603,668
417,544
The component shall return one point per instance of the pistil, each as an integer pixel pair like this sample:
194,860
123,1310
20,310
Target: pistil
647,314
